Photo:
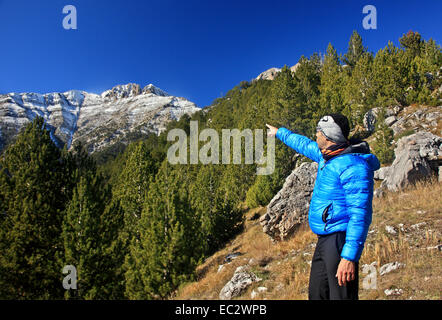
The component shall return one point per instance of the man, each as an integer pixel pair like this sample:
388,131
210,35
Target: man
341,205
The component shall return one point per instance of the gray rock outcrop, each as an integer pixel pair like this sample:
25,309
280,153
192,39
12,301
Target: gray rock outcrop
402,120
369,120
389,267
393,292
418,120
417,157
271,73
241,280
289,208
381,173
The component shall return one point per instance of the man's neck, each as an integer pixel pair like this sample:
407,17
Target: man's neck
333,150
328,146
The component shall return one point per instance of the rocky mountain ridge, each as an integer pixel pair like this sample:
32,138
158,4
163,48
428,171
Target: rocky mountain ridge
97,120
271,73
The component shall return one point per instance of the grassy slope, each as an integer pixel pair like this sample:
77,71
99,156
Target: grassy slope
285,266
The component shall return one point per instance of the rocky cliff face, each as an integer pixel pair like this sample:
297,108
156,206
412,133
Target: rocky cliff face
289,208
414,118
417,157
271,73
97,120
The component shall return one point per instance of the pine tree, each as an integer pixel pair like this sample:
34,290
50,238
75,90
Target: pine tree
165,252
390,72
218,210
360,93
77,164
355,50
91,240
33,200
307,79
204,199
132,186
332,84
384,138
282,108
261,192
412,43
424,75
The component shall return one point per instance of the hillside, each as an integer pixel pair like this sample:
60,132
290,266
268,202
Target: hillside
155,226
406,228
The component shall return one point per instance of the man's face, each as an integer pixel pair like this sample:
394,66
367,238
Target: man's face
321,140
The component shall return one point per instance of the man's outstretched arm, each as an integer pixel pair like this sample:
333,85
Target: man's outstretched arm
299,143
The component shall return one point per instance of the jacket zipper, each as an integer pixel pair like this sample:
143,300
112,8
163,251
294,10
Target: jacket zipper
325,215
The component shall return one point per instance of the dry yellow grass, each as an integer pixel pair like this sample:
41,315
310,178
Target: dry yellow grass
284,267
419,209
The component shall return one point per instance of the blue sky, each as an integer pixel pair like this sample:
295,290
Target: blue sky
194,49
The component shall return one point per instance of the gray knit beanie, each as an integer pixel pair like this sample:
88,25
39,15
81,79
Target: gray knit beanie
334,127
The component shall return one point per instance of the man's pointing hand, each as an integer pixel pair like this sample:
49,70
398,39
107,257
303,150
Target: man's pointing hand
272,130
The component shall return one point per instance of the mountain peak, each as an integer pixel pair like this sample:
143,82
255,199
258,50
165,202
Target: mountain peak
98,120
122,91
131,90
150,88
269,74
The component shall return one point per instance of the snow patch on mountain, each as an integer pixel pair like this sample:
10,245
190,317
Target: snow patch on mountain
97,120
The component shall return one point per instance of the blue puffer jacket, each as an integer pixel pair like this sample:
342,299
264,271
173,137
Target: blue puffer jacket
343,192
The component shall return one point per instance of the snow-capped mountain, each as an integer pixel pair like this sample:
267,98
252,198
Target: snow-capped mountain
97,120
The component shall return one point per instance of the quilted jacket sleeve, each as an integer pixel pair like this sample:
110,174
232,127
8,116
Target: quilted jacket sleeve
300,144
357,182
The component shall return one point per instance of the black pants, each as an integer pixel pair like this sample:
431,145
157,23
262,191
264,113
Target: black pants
323,281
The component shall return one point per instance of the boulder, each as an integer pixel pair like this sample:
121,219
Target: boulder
231,256
369,120
417,156
390,230
381,173
393,292
422,119
242,278
389,267
402,120
390,120
289,208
